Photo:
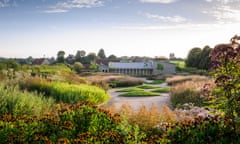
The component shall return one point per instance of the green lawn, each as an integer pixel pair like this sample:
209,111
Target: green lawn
162,90
130,89
147,87
139,94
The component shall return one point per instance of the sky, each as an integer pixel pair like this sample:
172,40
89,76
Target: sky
41,28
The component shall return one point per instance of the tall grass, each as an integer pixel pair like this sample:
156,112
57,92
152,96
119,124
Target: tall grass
16,102
180,79
189,92
146,119
65,92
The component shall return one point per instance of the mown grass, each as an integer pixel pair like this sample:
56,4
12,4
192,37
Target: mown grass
139,94
130,89
147,87
162,90
156,82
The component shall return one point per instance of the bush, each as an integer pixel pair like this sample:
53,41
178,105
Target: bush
15,102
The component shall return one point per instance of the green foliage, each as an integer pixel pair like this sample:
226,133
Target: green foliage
181,97
226,69
162,90
199,58
130,89
160,66
60,56
139,94
200,130
101,54
65,92
125,82
193,57
16,102
76,123
93,66
147,87
9,64
77,66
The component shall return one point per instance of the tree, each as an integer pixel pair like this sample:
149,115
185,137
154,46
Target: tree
79,55
77,66
101,54
112,57
193,57
93,65
91,57
205,58
60,56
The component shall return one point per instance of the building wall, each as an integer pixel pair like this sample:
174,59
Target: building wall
137,72
168,68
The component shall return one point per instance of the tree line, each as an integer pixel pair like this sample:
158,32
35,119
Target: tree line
199,58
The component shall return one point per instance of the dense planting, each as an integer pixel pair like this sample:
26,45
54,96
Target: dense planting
75,123
64,92
15,102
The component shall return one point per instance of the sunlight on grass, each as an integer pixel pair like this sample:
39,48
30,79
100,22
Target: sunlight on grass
162,90
139,94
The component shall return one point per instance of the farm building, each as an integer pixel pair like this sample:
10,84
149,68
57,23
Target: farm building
139,68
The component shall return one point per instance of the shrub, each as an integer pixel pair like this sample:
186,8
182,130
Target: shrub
15,102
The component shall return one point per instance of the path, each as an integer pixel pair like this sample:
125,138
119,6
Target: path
137,102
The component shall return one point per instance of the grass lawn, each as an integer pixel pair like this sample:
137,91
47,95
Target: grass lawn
130,89
162,90
139,94
156,82
147,87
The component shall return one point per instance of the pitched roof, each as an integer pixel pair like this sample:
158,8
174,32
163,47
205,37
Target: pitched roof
130,65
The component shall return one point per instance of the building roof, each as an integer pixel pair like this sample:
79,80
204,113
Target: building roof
130,65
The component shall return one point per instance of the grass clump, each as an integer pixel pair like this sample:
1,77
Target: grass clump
189,92
16,102
162,90
139,94
65,92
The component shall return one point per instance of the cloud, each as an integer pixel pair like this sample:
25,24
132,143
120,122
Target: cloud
175,19
224,13
158,1
70,4
4,3
222,1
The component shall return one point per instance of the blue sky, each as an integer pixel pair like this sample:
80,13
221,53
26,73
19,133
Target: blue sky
122,27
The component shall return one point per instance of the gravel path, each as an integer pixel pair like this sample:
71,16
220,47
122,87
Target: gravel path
137,102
